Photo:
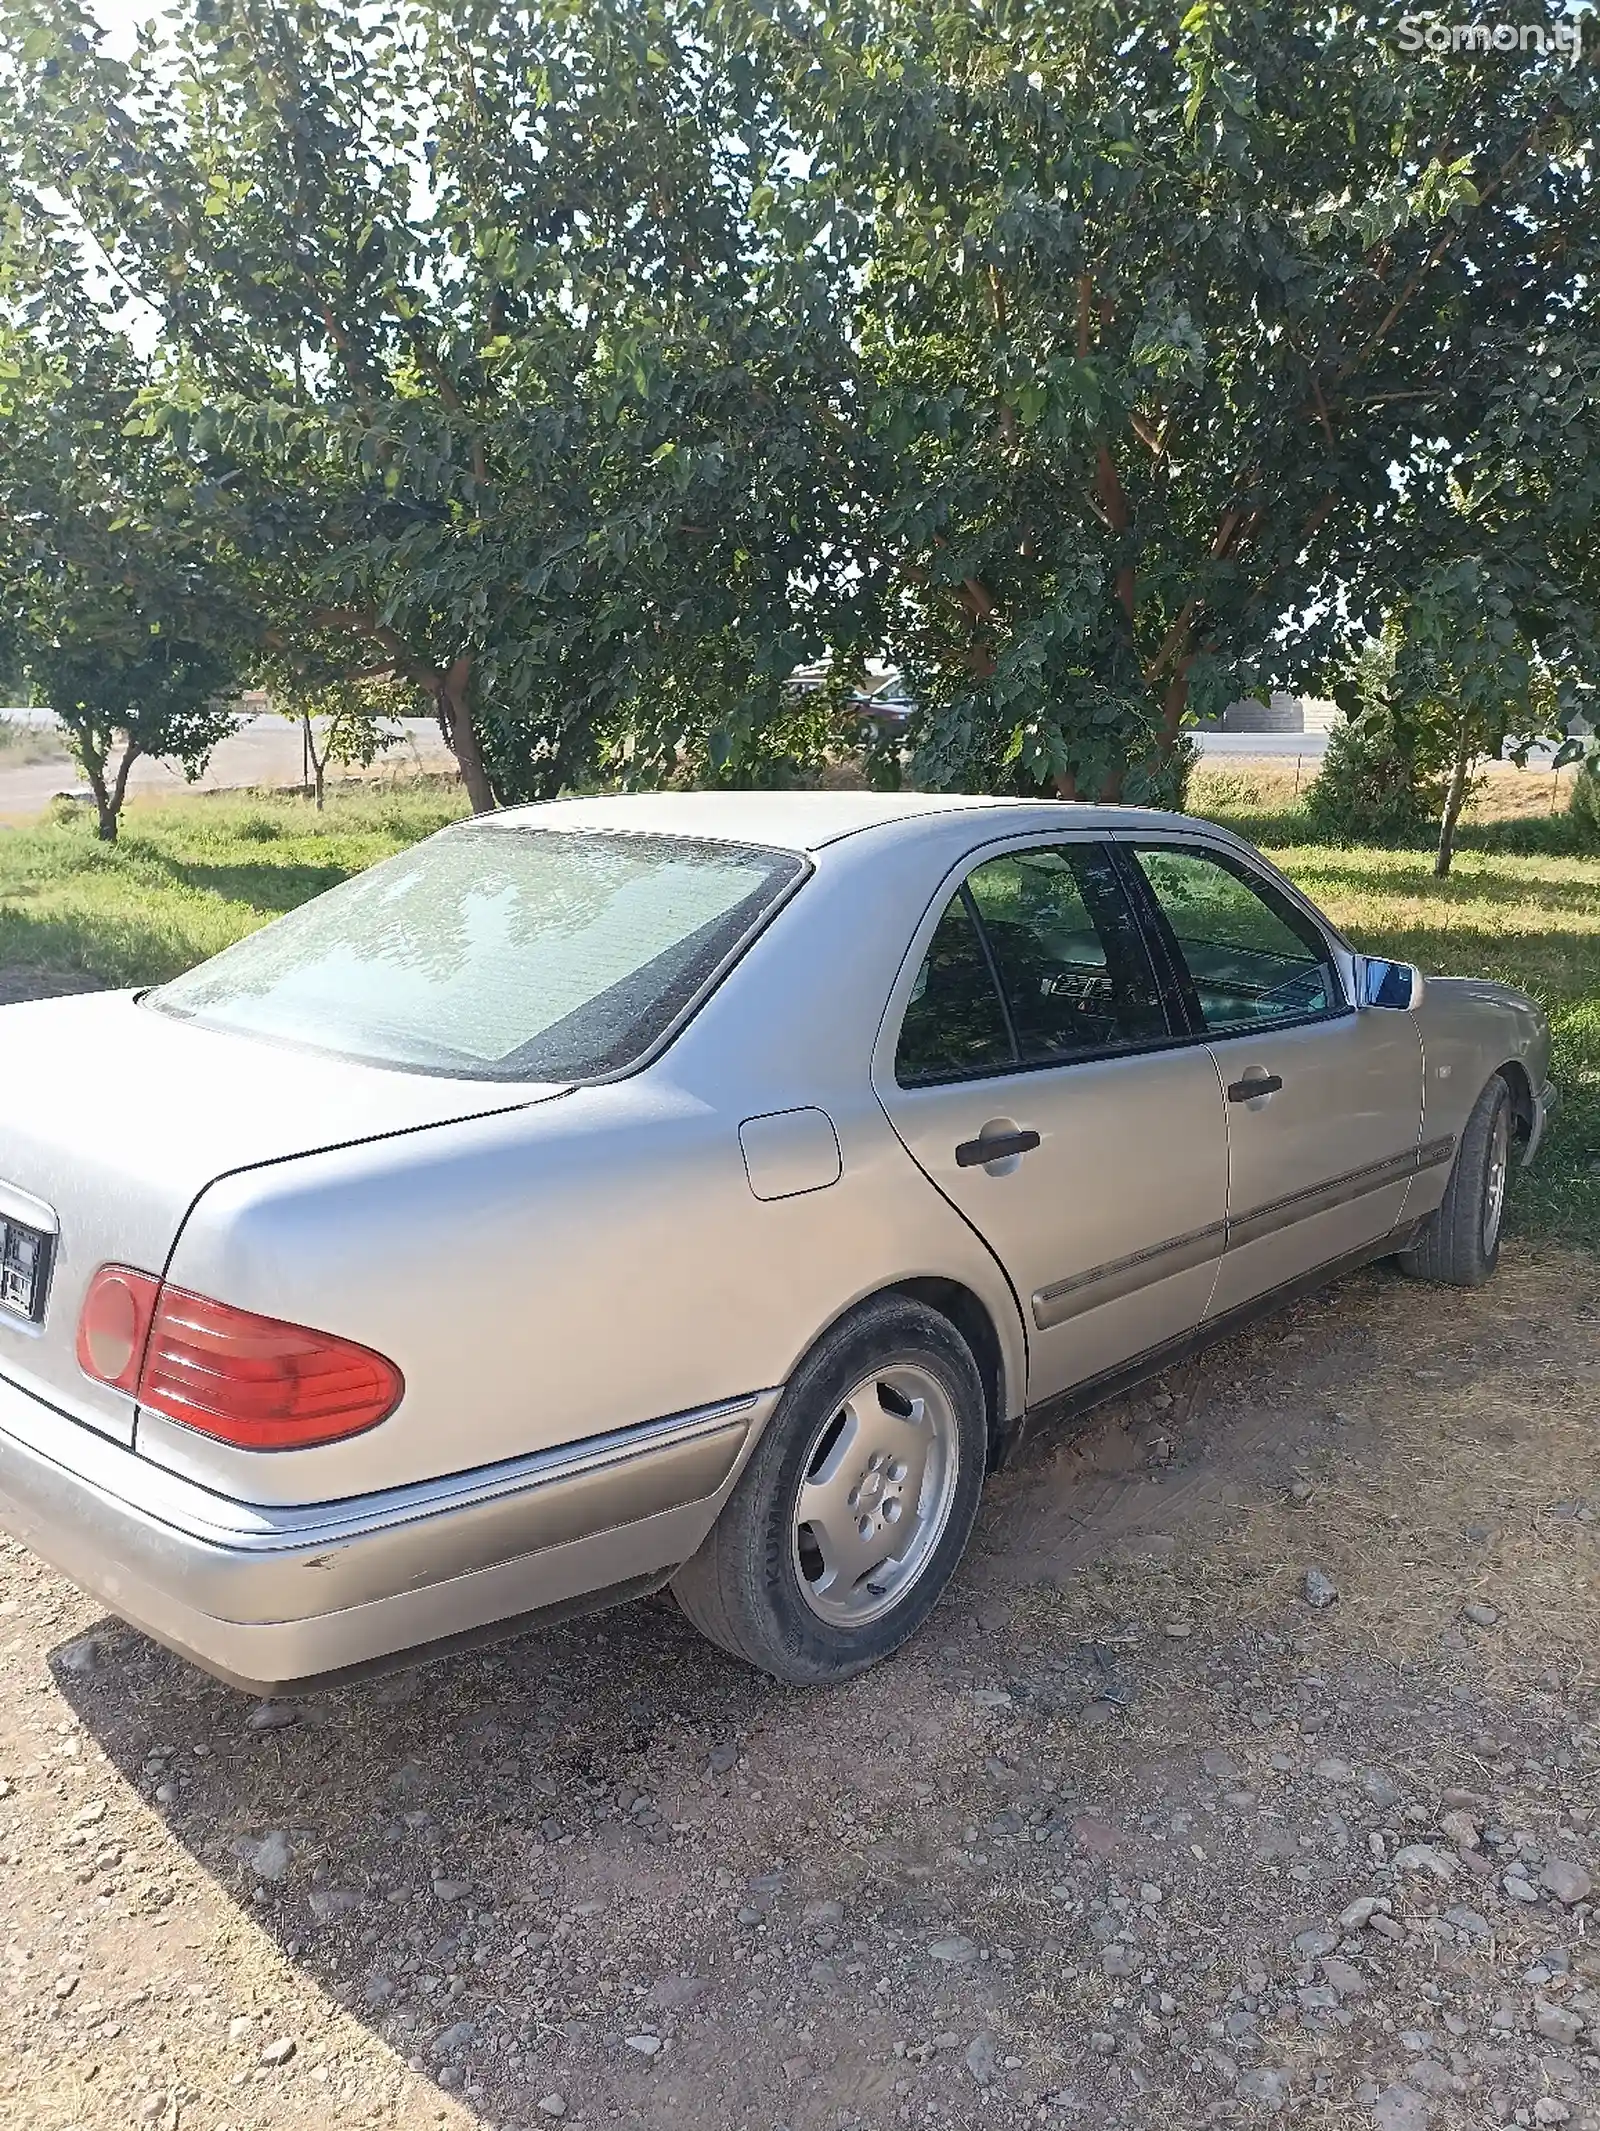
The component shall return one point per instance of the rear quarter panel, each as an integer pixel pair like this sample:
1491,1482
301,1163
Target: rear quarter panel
600,1259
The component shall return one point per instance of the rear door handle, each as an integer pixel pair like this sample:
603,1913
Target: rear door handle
1258,1084
974,1153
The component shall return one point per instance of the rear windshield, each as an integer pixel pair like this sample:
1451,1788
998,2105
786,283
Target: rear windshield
496,953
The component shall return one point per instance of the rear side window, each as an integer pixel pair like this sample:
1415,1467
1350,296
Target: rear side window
955,1027
1072,961
497,953
1251,957
1038,960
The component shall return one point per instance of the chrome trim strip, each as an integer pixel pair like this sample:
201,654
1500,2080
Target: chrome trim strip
19,1205
150,1492
1337,1191
267,1529
1125,1276
153,1546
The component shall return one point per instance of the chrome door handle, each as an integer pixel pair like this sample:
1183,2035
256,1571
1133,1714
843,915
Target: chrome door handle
1260,1084
974,1153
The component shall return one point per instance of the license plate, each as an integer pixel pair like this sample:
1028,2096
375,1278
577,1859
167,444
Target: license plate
24,1268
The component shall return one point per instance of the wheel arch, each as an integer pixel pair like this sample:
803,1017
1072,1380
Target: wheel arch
1515,1075
971,1317
1001,1370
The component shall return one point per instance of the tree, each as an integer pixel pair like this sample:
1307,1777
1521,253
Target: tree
1499,637
475,353
116,616
119,698
345,721
590,363
1155,315
1385,772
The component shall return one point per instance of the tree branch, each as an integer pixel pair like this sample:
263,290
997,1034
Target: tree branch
1453,231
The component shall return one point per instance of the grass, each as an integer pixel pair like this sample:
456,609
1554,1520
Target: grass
22,744
192,875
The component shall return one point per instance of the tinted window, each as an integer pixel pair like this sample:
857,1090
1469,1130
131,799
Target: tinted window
1252,956
955,1027
496,953
1074,965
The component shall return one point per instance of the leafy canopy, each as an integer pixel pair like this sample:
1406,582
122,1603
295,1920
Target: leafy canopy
589,363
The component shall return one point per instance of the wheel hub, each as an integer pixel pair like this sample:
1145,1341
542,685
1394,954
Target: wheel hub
876,1495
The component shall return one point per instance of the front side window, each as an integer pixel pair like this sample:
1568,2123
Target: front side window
496,953
1038,960
1252,958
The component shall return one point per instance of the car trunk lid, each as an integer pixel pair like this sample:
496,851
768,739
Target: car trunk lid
115,1117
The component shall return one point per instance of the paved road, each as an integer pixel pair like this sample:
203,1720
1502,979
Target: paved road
266,751
1310,747
263,751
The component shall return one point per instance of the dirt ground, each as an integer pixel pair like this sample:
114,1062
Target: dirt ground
1095,1851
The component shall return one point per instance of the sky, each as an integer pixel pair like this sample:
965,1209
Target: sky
119,17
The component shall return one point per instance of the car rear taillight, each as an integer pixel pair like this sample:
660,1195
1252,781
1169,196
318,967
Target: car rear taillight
114,1325
252,1381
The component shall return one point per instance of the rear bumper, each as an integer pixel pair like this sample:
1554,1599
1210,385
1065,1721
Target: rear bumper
272,1597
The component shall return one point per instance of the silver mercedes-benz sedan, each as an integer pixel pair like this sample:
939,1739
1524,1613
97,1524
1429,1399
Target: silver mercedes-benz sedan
701,1190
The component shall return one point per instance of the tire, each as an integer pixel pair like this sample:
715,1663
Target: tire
1460,1246
889,1402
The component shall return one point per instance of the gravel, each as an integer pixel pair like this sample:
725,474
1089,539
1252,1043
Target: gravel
1569,1883
1329,1866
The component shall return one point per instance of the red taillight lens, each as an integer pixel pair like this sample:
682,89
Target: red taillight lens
114,1325
249,1380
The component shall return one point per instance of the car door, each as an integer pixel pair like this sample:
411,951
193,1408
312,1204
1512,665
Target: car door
1030,1021
1324,1103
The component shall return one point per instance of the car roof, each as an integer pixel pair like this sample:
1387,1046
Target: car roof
805,821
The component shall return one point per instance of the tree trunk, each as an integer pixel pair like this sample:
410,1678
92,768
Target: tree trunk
1174,703
318,764
119,790
108,798
107,827
456,719
1454,799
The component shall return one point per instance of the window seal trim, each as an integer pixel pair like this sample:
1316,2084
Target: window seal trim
969,902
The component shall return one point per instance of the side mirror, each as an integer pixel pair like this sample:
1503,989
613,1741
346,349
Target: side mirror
1390,984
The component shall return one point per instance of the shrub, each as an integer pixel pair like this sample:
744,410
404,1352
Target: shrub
1584,805
1379,784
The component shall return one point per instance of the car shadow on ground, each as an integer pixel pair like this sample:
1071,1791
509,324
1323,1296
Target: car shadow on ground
412,1844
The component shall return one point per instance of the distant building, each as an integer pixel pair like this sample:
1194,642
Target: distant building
1280,713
